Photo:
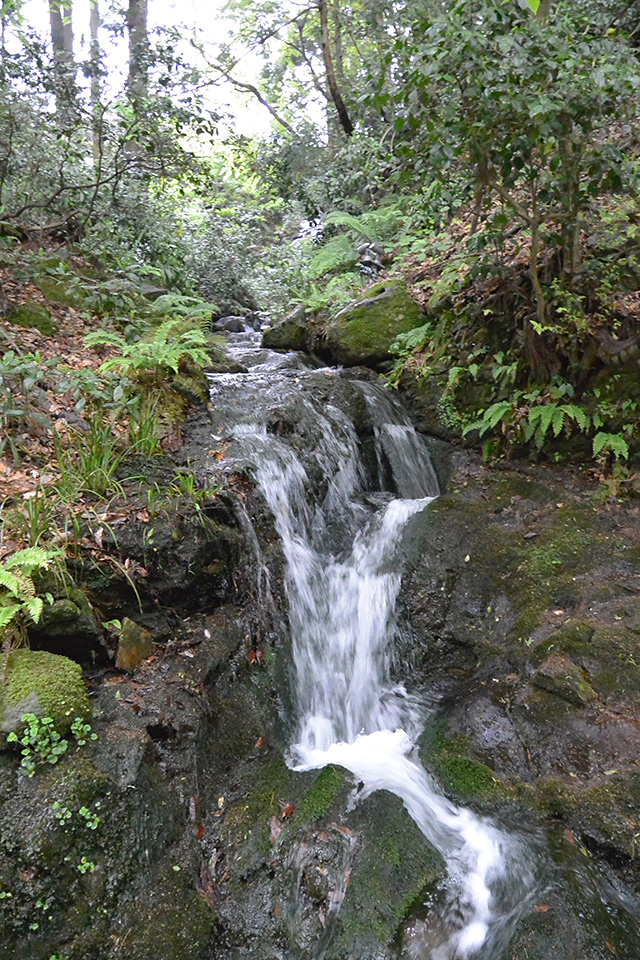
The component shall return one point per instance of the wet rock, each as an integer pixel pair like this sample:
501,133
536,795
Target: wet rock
290,333
363,332
227,366
134,646
70,626
230,324
45,684
559,676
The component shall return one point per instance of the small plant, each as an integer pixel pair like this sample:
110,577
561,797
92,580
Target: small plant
91,463
86,866
613,444
19,374
41,742
82,731
64,816
143,428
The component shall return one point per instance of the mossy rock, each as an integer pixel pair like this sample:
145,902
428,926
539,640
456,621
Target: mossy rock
69,626
363,332
43,683
606,811
290,333
560,676
394,866
173,921
60,291
461,776
33,314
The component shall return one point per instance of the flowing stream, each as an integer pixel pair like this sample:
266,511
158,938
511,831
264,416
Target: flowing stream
341,517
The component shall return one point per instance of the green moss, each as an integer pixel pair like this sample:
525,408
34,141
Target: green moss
62,291
173,922
33,314
45,684
331,780
606,811
363,332
394,866
460,775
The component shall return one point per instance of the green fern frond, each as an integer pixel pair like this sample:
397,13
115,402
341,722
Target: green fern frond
355,225
30,559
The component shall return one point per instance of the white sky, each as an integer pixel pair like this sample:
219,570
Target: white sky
252,119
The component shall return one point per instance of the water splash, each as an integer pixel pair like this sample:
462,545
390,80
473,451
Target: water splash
342,583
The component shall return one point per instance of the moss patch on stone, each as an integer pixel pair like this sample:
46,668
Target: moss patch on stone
33,314
393,866
45,684
459,774
317,801
606,811
363,332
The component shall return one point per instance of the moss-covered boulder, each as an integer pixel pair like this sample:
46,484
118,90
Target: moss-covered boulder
363,332
290,333
43,683
35,315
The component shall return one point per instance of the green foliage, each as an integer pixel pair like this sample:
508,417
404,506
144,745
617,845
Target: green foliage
337,254
162,353
41,743
19,602
19,375
91,462
610,443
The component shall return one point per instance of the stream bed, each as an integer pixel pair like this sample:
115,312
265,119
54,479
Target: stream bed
346,476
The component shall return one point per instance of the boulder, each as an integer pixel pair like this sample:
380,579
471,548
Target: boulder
71,627
43,683
230,324
362,333
290,333
558,675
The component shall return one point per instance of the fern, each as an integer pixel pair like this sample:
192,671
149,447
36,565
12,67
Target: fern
491,417
19,602
157,356
604,443
355,225
335,255
406,343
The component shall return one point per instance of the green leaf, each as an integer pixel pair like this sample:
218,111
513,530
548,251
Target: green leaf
534,4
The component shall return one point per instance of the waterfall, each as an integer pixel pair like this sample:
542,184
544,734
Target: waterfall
340,539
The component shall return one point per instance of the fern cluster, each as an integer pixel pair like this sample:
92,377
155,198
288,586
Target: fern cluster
19,600
160,354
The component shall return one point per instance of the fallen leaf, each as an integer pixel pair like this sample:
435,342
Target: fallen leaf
543,907
611,947
288,811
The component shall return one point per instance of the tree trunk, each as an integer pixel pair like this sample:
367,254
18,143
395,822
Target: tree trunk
544,9
332,82
138,52
94,70
62,43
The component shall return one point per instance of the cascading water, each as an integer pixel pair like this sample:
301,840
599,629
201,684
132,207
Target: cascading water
342,581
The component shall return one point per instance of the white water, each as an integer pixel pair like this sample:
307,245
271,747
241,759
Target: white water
342,583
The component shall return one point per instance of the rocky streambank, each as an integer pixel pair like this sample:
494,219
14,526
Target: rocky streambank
181,831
